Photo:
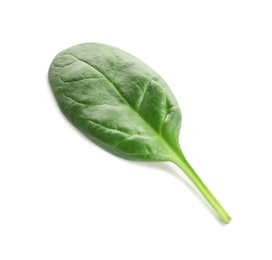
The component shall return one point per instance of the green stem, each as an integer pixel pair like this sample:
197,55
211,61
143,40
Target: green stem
183,164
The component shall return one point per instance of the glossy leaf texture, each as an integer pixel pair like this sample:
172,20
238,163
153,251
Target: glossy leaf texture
117,101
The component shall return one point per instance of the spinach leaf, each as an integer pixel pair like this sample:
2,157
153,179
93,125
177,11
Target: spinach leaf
123,106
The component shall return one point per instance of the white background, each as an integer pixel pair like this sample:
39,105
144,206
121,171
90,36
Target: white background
62,197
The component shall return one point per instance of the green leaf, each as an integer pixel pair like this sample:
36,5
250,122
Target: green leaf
123,106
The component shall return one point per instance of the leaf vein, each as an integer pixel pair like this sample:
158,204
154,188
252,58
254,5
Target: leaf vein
108,128
144,92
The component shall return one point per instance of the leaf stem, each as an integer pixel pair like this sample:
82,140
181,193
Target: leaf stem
183,164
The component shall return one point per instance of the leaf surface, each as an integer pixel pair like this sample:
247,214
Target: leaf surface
117,101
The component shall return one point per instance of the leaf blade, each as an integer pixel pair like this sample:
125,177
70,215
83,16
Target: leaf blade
95,75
